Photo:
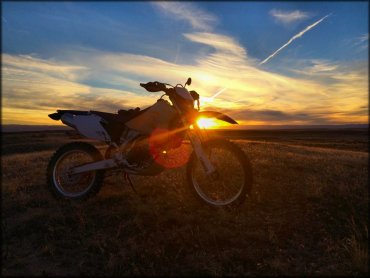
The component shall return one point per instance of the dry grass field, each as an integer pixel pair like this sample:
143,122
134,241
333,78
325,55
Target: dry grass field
308,214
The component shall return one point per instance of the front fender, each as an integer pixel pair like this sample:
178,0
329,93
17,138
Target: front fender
217,115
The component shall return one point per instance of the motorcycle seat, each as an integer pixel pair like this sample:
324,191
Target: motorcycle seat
122,116
74,112
58,115
115,122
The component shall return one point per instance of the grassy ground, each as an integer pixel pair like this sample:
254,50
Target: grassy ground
308,215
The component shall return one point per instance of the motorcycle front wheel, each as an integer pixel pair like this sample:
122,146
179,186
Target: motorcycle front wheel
231,182
65,185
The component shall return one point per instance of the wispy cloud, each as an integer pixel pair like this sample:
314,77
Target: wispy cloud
196,17
107,81
362,42
300,34
321,91
329,71
219,42
52,68
320,66
316,67
287,17
275,117
253,96
34,87
364,38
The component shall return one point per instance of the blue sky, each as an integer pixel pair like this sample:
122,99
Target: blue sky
92,55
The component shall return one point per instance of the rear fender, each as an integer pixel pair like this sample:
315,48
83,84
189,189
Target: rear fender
86,123
55,116
217,115
89,126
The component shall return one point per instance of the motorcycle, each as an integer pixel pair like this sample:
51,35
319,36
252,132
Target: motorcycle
218,172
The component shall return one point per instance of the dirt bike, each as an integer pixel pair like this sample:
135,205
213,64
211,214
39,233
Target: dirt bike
139,141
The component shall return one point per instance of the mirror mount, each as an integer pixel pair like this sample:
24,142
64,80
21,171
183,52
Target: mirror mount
188,82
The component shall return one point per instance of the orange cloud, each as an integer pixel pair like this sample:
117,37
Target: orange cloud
323,92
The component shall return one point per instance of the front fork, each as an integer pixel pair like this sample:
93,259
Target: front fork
196,142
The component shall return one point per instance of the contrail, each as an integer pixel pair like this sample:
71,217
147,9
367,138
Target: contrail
300,34
212,98
216,94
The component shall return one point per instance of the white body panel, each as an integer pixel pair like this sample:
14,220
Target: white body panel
157,116
87,125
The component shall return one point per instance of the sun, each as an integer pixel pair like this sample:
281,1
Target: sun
207,123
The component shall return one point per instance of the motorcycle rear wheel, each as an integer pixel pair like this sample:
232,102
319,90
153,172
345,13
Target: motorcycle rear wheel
233,179
62,184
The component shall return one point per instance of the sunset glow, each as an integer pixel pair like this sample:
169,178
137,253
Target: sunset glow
295,68
207,123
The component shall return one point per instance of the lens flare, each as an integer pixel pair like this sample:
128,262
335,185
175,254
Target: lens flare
167,149
207,123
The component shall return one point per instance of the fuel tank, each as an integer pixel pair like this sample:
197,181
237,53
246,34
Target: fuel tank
157,116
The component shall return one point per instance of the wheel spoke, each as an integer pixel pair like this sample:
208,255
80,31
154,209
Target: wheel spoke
77,184
229,185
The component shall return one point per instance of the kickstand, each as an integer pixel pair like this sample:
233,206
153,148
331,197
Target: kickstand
127,178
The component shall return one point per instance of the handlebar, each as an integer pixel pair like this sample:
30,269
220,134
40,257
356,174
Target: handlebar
158,86
154,86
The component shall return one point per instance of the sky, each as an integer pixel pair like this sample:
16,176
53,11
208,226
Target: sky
262,63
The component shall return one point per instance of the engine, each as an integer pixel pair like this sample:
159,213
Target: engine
142,158
140,152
